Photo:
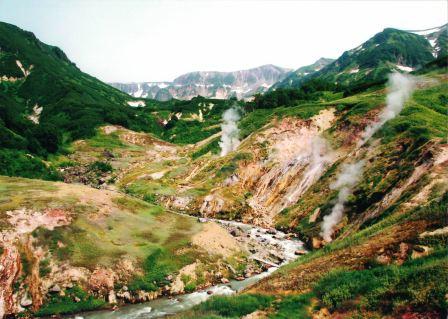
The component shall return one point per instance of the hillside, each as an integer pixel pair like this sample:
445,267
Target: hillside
212,84
373,60
46,102
320,201
387,252
293,78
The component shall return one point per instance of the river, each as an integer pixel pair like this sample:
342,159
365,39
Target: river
269,240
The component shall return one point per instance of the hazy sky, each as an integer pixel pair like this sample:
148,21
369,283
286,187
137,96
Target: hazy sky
150,40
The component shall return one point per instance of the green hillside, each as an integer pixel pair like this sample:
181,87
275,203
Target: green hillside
373,60
46,102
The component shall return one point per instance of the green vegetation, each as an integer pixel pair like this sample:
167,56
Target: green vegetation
18,163
368,65
229,306
212,147
102,167
293,307
415,284
156,268
69,303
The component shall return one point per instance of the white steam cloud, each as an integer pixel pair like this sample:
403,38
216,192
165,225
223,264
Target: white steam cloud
400,89
346,181
230,132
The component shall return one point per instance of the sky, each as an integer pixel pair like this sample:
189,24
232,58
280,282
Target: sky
158,40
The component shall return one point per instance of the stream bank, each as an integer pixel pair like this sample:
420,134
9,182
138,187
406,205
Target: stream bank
270,247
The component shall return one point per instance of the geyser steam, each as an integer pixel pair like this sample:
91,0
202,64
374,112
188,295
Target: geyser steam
347,179
400,89
230,132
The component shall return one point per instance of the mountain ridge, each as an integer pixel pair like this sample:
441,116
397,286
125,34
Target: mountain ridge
211,84
389,50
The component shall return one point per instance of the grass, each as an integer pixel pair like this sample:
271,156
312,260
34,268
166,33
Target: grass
68,305
94,238
293,307
212,147
415,284
229,306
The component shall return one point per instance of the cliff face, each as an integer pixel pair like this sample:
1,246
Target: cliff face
212,84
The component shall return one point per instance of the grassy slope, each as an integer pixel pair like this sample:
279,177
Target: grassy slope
106,227
95,236
357,288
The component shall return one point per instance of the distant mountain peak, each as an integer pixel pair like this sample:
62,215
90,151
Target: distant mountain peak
212,84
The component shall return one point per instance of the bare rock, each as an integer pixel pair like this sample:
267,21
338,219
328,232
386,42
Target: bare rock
316,243
218,275
102,279
112,298
420,251
300,252
383,259
55,288
225,280
26,301
314,215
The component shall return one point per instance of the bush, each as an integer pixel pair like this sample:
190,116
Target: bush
67,305
415,284
103,167
18,163
156,269
292,307
235,306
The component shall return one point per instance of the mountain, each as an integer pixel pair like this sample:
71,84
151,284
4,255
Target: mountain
208,197
373,60
437,37
46,101
293,78
212,84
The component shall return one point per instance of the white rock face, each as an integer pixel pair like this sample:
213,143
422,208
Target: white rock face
136,103
212,84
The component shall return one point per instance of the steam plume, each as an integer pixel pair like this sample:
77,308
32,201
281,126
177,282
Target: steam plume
346,181
400,89
230,132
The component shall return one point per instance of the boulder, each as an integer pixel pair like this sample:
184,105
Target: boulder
111,298
56,288
235,233
225,280
316,243
420,251
26,301
314,215
300,252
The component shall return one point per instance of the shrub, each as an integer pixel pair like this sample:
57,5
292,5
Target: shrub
235,306
67,305
156,268
99,166
18,163
415,284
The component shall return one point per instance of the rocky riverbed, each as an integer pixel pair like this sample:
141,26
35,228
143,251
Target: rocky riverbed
268,247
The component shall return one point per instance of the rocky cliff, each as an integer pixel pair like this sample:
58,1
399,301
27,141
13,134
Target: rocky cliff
212,84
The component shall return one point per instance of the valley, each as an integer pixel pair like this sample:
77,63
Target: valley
323,197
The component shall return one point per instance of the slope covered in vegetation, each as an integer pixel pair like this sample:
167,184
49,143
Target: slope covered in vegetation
70,247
